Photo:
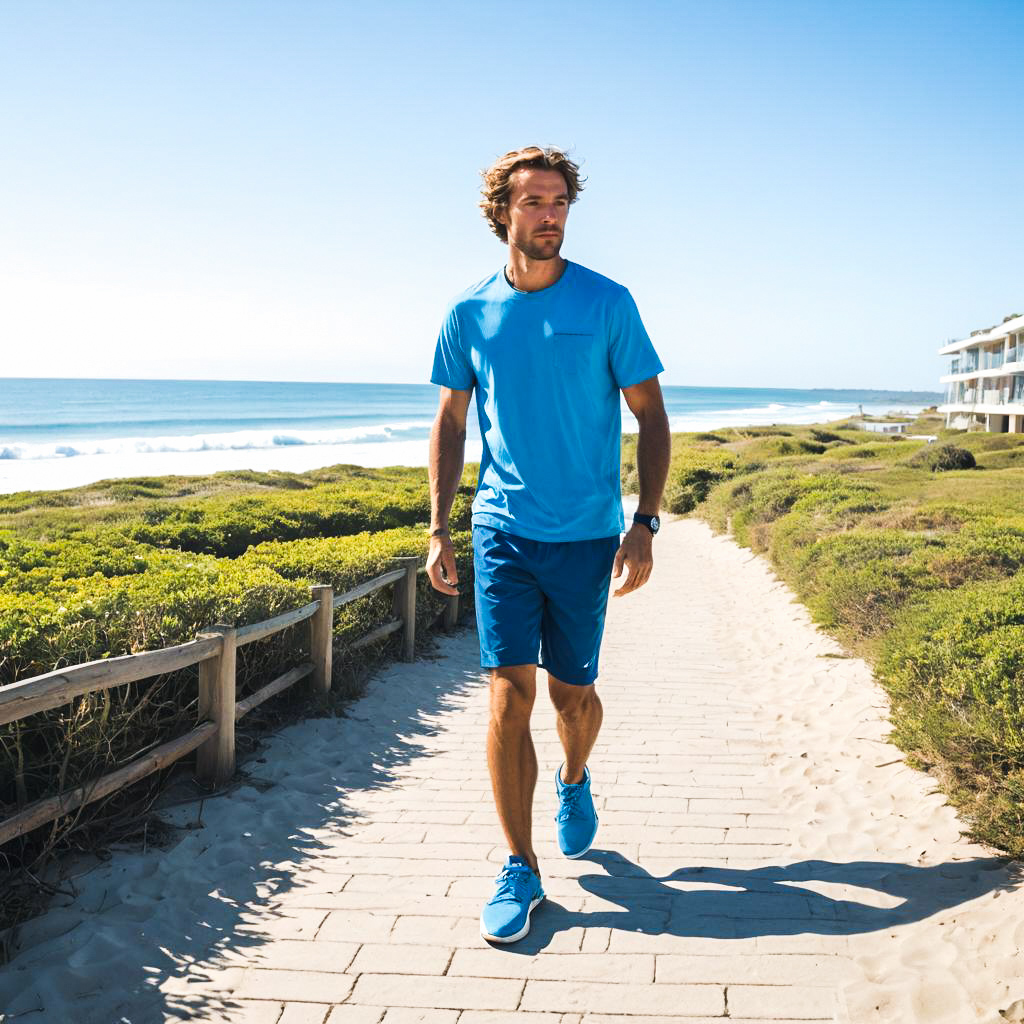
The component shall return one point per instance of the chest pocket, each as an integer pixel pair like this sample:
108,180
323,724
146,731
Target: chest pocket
573,351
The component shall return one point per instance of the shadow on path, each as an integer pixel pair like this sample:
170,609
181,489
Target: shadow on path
795,899
188,905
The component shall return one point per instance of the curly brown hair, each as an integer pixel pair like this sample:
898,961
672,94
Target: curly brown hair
497,187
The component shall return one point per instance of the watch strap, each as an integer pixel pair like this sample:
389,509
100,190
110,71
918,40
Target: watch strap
647,521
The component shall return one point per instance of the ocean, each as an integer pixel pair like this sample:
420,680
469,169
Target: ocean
65,432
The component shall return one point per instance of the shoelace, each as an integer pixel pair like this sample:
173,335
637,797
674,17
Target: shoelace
568,807
510,882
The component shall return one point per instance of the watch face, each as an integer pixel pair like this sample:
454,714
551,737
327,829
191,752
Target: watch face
655,524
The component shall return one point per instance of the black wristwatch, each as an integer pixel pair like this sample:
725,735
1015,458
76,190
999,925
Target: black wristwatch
653,523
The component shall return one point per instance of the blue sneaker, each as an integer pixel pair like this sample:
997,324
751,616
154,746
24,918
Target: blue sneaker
576,817
506,916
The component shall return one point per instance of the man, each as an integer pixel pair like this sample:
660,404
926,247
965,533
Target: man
548,345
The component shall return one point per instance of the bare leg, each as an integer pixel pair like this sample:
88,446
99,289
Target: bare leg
579,721
510,755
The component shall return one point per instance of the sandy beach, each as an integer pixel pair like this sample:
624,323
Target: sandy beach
764,853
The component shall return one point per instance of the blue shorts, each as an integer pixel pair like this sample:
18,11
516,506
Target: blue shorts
542,602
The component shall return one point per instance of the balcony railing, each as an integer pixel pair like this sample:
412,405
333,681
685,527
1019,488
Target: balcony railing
1012,394
963,366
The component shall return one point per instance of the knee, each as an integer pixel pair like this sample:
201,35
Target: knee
573,702
512,696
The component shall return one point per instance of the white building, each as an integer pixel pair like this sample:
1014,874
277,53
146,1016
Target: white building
985,383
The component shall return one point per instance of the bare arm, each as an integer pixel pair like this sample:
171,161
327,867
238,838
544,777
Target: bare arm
447,455
653,450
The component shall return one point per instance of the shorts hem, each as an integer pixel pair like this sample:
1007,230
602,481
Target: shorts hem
576,680
505,660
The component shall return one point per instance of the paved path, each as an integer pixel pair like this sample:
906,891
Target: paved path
755,860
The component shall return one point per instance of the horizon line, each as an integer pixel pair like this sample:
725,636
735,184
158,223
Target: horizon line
371,383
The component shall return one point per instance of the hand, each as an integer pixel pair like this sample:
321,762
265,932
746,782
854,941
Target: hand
635,551
441,569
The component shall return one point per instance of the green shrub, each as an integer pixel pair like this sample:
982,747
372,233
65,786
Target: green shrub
955,671
941,458
692,474
798,446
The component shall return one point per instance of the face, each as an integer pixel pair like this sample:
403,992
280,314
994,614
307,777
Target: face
537,211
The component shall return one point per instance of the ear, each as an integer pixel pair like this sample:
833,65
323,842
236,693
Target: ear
501,214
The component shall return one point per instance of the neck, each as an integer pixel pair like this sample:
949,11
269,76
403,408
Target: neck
532,275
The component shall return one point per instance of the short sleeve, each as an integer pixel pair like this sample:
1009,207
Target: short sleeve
630,350
452,368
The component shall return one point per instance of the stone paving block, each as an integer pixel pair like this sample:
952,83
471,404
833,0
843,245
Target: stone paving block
356,926
204,978
772,1001
290,924
295,986
304,955
475,850
662,851
246,1011
690,945
435,817
413,1015
595,940
414,885
584,997
665,819
414,929
516,1017
753,969
383,958
408,866
388,832
635,968
304,1013
759,835
348,1014
437,993
833,945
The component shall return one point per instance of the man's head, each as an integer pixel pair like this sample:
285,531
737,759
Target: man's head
527,194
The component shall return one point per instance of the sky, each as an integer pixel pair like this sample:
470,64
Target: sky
797,194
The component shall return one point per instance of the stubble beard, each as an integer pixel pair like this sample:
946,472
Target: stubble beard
545,249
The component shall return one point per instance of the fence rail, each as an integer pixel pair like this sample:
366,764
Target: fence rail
219,709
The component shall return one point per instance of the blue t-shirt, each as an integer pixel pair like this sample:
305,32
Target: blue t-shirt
547,367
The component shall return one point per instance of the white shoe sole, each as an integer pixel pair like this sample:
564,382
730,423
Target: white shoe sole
518,935
586,849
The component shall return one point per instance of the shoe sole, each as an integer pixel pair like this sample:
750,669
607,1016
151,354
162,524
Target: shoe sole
518,935
586,849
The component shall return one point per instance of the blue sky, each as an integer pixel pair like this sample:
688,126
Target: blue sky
797,194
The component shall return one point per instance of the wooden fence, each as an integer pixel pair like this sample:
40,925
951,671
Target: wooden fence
219,708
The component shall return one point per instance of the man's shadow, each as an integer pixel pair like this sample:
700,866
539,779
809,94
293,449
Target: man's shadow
814,896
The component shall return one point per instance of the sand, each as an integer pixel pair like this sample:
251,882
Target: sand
764,852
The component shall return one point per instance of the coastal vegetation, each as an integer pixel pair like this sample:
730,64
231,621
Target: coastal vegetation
912,555
125,566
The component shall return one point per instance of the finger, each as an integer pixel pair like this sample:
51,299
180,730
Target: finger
451,570
437,581
630,583
619,556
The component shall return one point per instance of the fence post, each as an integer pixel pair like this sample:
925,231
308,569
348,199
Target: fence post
451,612
405,603
215,759
321,639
